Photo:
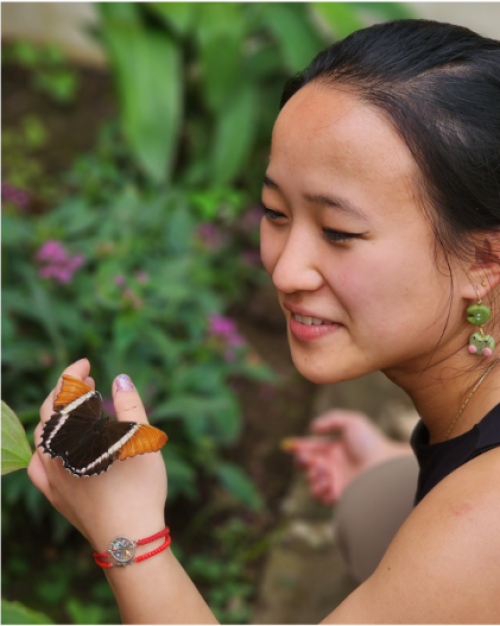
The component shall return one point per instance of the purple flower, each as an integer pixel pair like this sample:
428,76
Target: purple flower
236,340
17,196
142,276
251,219
57,263
251,257
52,251
119,280
220,325
210,236
225,327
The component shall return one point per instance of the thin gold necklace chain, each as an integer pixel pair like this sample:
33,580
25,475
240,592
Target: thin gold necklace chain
470,396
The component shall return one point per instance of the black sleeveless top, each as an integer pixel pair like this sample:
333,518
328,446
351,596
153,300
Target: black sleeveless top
437,460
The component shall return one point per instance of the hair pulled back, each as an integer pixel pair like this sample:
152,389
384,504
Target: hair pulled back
439,86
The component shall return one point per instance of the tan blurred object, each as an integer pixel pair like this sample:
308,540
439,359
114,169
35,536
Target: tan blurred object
62,23
481,17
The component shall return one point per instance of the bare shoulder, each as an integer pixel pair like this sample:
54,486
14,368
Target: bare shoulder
443,566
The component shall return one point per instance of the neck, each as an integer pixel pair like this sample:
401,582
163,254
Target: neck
440,391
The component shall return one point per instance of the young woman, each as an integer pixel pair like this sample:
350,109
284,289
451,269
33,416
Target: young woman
380,230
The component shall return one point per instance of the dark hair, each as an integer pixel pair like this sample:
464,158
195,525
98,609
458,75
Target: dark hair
439,86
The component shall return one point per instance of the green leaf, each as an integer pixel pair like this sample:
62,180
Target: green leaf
234,136
126,330
119,11
45,314
15,231
236,481
298,39
17,613
179,15
387,10
181,475
8,326
16,451
341,17
219,34
147,67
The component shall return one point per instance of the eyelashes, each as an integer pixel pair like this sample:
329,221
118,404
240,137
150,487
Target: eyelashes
337,235
270,214
329,234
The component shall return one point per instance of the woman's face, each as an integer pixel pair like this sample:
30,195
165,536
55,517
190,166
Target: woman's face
337,166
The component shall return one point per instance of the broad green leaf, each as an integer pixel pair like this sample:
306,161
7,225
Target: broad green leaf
17,613
298,39
15,231
179,15
8,327
82,612
147,67
45,313
236,481
126,330
119,11
219,30
226,421
181,475
234,136
16,451
387,10
341,17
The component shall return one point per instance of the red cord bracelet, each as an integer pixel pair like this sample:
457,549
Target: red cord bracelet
122,550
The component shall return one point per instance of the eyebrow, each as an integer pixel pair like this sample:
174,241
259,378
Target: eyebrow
334,202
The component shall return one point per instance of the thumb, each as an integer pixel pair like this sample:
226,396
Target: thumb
128,404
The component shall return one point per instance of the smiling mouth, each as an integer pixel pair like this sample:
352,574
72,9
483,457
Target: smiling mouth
309,321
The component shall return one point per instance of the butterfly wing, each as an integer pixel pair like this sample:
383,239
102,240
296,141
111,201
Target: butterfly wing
85,441
139,439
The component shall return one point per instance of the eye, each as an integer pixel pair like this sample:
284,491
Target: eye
270,214
338,235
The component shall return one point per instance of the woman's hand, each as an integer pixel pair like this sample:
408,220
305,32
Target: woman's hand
127,500
331,464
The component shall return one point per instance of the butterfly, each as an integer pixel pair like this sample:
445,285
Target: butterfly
86,441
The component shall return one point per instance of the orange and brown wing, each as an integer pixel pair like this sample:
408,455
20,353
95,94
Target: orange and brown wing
71,389
145,439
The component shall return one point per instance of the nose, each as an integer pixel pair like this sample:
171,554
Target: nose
297,268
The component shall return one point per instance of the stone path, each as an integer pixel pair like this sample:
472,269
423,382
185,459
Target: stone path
305,578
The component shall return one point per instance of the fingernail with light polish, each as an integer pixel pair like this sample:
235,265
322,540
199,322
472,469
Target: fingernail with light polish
123,383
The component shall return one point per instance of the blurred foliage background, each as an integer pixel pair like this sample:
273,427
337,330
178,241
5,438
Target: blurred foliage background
133,254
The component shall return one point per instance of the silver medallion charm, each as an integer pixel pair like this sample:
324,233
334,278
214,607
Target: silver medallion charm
122,549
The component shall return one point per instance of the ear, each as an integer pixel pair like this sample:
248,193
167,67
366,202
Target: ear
484,274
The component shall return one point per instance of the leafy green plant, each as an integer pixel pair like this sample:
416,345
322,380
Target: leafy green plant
124,276
17,613
48,68
225,569
199,84
16,451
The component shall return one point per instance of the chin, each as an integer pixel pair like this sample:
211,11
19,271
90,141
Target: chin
321,372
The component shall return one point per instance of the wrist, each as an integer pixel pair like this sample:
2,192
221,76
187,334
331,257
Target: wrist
101,535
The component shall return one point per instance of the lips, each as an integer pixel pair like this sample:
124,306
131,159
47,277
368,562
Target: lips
309,328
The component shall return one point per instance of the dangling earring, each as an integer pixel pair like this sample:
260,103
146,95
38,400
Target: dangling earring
479,314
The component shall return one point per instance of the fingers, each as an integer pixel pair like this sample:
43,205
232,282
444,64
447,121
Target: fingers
336,420
80,369
128,404
38,476
305,447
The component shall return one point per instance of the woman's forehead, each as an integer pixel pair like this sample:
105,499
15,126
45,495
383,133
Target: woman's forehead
325,139
333,128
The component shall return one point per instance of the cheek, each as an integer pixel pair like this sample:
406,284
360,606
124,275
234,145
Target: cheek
270,247
383,290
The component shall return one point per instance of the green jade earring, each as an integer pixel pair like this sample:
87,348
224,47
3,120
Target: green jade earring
479,343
